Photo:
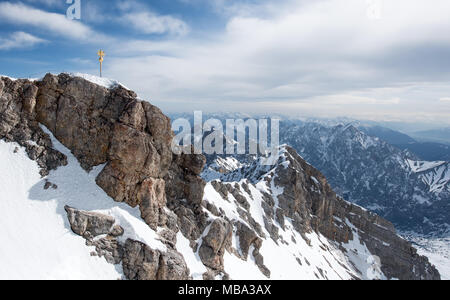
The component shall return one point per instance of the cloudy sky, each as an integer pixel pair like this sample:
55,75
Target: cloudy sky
366,59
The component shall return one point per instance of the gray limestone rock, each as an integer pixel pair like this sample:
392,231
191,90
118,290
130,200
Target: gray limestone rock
214,244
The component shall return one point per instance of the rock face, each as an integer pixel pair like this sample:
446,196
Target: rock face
215,243
18,123
138,260
247,213
102,126
142,263
183,182
298,203
105,126
93,224
111,126
397,256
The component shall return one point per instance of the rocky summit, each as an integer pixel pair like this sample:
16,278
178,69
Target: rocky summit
171,218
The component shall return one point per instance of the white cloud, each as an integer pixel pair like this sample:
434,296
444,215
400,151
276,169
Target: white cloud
19,40
144,20
445,99
20,14
318,57
298,53
151,23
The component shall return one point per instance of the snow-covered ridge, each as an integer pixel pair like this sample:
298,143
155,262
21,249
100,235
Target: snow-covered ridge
435,174
422,166
293,255
231,169
101,81
227,164
253,182
11,78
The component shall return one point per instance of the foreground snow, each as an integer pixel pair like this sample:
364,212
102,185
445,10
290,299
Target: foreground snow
37,242
437,250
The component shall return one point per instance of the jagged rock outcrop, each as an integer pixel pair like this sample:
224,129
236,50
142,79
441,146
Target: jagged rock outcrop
92,224
138,260
184,192
103,126
111,126
214,244
143,263
284,205
293,193
398,257
184,180
18,123
248,240
106,126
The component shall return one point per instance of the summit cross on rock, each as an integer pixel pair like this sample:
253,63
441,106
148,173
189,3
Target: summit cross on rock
101,54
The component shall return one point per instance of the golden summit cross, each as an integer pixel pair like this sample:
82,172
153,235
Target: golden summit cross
101,54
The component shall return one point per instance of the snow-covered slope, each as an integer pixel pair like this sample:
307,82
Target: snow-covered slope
436,175
255,195
436,249
37,241
42,245
291,256
221,165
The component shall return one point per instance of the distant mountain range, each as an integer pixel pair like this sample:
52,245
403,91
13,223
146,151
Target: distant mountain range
424,150
429,145
412,193
441,135
384,170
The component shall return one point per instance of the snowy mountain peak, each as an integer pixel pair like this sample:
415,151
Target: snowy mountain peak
94,165
293,205
372,173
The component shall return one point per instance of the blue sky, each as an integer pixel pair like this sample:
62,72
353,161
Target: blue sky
366,59
54,50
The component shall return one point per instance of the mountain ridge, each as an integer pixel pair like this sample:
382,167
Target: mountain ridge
374,174
209,230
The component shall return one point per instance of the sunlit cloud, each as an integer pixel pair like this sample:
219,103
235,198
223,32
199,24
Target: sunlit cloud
19,40
54,23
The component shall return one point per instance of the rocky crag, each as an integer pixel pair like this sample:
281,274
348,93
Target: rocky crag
251,215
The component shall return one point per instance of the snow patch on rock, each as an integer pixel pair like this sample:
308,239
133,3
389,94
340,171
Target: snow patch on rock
101,81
